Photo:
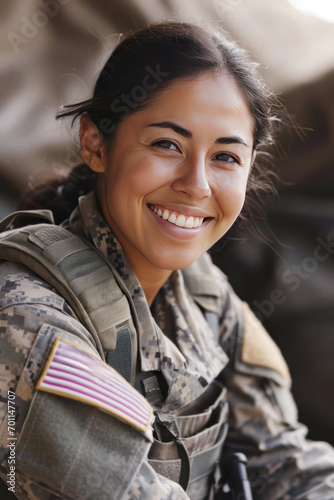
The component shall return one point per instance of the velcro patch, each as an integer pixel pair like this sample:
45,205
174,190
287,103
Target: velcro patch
259,349
75,373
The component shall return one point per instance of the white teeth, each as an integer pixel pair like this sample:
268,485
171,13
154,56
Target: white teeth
172,218
189,222
179,220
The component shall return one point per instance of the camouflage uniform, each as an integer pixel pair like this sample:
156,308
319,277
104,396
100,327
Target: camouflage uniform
66,449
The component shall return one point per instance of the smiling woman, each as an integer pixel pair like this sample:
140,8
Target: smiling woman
137,371
173,160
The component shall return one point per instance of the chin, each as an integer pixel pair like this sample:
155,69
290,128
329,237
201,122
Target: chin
174,261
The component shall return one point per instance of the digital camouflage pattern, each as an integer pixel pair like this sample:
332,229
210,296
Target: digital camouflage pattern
180,352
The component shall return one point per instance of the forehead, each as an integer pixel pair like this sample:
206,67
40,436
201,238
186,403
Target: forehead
209,102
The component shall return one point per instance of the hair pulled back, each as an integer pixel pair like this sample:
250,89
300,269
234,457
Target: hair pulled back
146,62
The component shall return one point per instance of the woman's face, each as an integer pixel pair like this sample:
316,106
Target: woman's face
175,179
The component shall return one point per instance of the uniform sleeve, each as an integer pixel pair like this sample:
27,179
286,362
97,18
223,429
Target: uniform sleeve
147,485
62,447
282,463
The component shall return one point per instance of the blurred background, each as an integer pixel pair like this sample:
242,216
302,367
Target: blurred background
51,51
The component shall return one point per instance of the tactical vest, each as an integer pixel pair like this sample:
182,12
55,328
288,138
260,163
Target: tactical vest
188,445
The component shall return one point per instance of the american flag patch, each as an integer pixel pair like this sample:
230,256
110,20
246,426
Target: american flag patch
75,373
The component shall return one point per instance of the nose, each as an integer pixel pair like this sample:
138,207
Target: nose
192,180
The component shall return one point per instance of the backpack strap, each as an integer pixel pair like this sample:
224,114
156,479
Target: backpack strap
37,214
85,279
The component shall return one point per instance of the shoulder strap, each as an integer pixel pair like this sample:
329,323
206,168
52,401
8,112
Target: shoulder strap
37,214
81,275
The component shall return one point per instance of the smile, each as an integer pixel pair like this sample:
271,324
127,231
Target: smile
177,219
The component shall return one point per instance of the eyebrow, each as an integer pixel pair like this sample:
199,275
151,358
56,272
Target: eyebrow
186,133
177,128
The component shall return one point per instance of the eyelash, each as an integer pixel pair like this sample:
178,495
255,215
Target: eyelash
232,158
158,144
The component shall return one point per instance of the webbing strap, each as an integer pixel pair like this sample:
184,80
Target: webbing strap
76,271
120,358
201,464
36,214
168,420
152,391
15,252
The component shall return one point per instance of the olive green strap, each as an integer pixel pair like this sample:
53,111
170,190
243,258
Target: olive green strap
36,214
168,421
76,271
202,464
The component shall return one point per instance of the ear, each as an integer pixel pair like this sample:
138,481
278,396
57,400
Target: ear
93,147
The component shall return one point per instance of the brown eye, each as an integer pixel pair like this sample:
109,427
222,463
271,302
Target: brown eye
164,144
226,158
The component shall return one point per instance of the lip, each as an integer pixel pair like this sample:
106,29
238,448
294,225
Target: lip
176,231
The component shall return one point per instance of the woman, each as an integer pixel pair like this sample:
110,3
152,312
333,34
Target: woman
171,138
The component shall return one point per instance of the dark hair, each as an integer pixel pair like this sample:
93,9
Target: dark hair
145,62
60,192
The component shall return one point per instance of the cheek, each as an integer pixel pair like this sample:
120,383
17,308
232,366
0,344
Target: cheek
231,194
133,179
146,175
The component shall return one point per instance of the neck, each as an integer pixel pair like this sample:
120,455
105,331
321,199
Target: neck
151,280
